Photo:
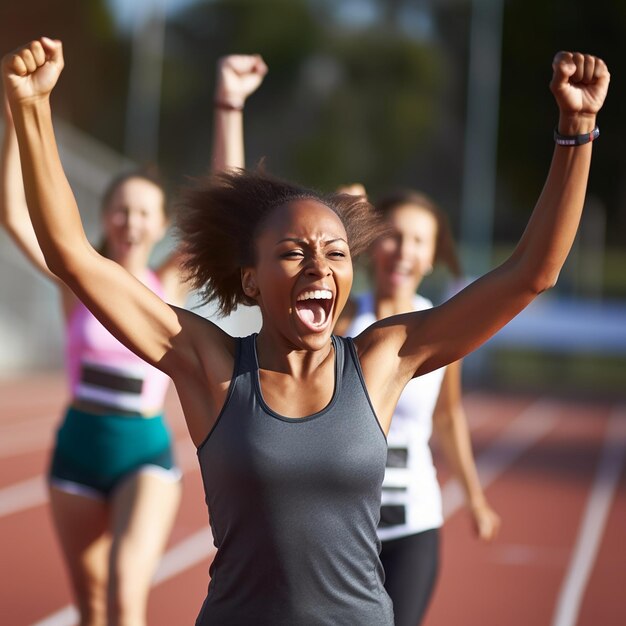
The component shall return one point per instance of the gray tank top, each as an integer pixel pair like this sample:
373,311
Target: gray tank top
294,505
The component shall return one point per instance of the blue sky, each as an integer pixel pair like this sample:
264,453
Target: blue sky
125,11
415,20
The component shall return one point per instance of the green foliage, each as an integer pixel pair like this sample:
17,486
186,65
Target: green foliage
348,100
91,93
338,105
374,119
533,32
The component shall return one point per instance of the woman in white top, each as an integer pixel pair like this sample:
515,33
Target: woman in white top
411,511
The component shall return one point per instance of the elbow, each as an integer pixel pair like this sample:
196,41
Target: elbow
62,262
543,281
535,278
57,266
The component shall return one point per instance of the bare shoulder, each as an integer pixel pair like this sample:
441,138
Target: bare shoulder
385,374
384,344
202,381
214,349
378,343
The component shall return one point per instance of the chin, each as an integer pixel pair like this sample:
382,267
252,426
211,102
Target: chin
316,341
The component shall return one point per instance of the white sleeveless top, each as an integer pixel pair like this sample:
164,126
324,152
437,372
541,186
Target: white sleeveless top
411,498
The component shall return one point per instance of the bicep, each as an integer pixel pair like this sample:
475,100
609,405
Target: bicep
130,311
446,333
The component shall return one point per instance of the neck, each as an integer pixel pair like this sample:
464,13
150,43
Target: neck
275,354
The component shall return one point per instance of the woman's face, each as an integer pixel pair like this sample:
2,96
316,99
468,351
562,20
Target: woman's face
134,219
303,274
402,258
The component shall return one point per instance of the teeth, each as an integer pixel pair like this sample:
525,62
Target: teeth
318,294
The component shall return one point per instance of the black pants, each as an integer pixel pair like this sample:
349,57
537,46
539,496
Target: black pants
411,565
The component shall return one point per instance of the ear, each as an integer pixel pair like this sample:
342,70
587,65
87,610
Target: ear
248,282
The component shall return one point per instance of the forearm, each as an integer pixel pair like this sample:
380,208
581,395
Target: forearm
552,227
579,84
14,215
454,438
228,144
13,209
51,204
238,76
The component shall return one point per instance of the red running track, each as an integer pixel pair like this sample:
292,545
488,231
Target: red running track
554,470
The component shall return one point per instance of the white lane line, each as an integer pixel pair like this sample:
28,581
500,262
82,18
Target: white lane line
593,521
533,423
186,554
33,491
23,495
189,552
67,616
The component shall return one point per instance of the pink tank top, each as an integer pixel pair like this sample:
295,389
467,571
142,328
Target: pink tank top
105,372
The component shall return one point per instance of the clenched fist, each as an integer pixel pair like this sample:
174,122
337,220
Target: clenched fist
579,84
238,76
32,71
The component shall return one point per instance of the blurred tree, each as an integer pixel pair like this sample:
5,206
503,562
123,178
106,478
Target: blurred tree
533,32
92,93
368,90
339,103
382,107
283,31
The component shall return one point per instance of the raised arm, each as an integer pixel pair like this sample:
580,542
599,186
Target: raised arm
412,344
238,76
132,312
13,210
452,432
416,343
14,215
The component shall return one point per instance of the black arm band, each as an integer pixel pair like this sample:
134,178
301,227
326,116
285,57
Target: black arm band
576,140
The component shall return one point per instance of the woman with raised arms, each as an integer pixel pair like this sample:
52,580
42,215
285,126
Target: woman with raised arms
290,423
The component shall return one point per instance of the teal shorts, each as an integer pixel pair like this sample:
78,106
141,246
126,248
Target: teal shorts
94,452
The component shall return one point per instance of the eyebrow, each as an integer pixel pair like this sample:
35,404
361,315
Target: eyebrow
304,242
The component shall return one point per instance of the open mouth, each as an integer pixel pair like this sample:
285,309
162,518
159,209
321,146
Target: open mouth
400,273
313,308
